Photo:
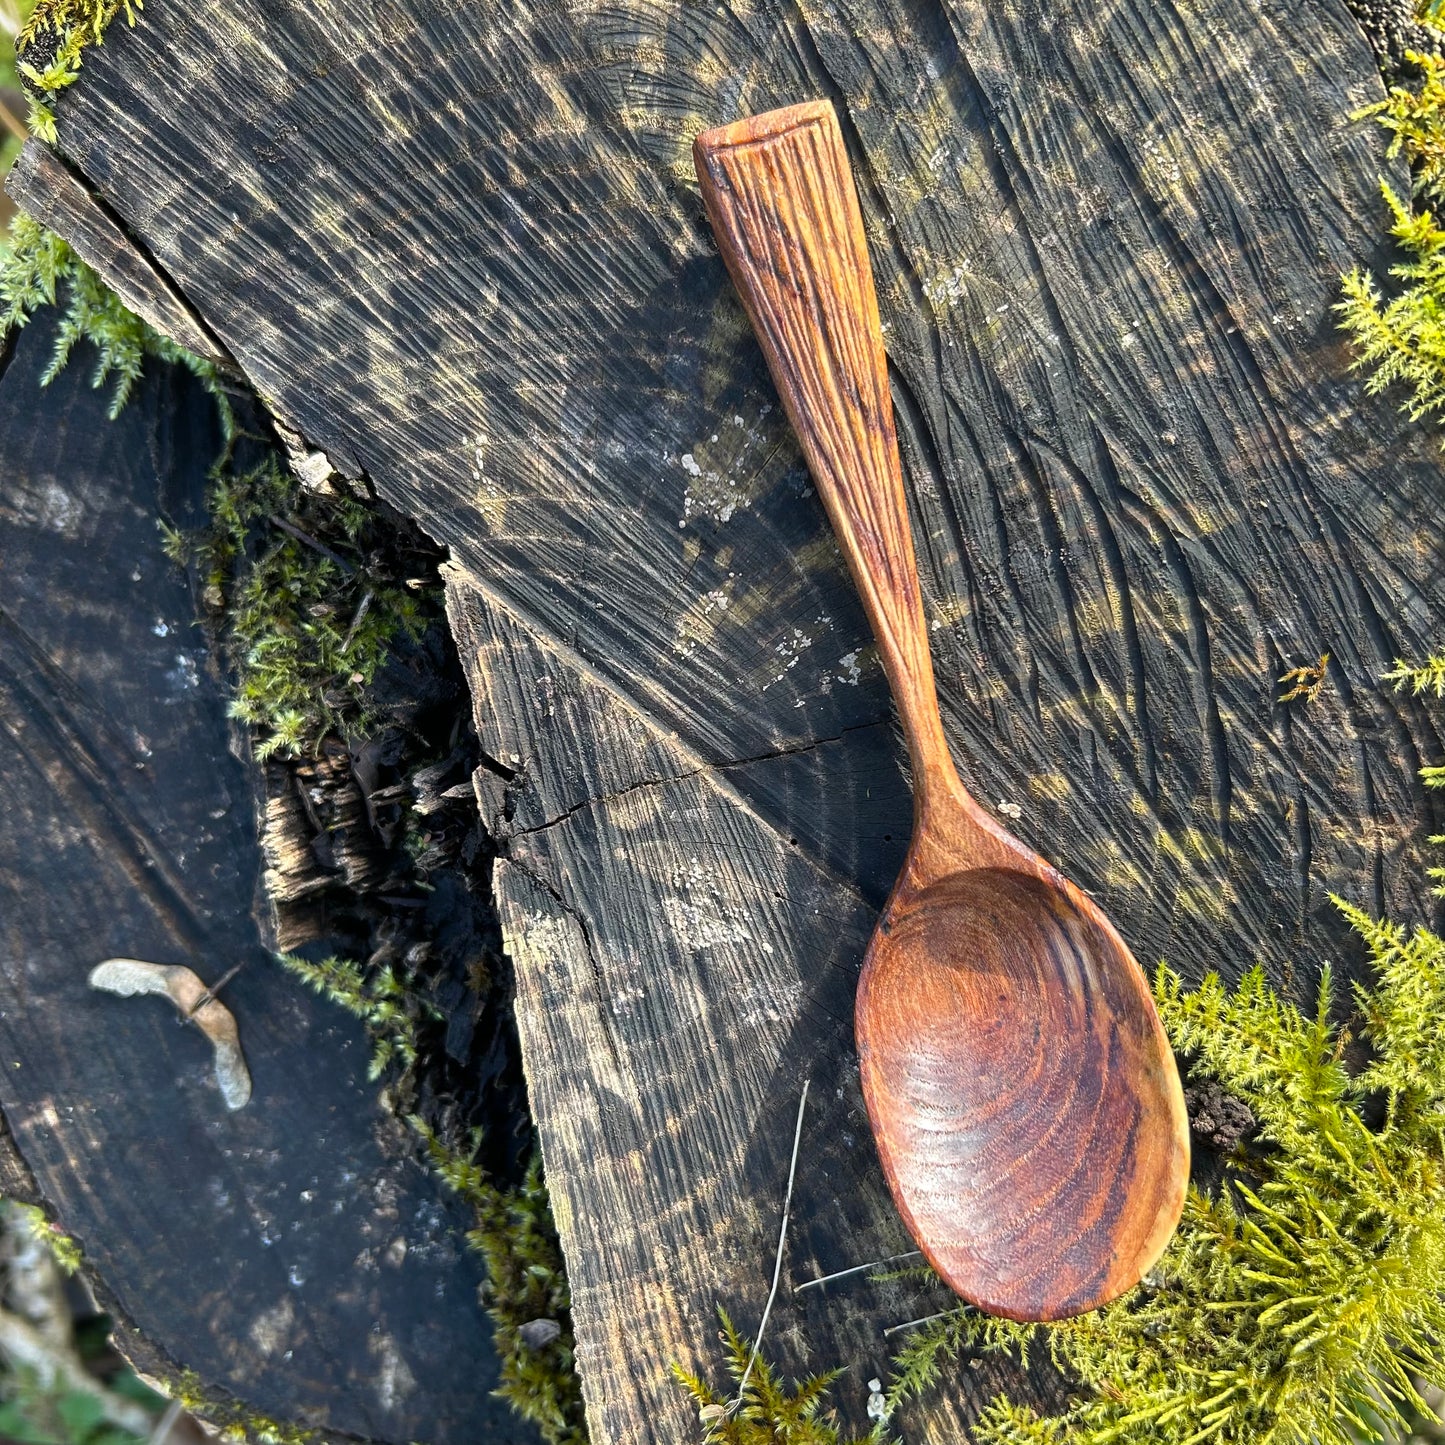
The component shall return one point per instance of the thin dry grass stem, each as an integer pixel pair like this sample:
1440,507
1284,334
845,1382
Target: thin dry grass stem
858,1269
914,1324
737,1399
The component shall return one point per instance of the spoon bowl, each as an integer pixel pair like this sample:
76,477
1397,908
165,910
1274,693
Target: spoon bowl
1019,1096
1022,1092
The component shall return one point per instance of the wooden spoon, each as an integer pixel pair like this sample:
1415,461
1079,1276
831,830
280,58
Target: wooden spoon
1022,1092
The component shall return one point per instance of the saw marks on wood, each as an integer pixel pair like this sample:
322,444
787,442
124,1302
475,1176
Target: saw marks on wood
465,254
1107,243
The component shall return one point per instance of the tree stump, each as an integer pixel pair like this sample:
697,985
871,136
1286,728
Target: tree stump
293,1259
465,256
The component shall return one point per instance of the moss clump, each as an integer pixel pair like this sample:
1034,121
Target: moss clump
766,1412
62,1246
1425,677
1401,340
50,45
527,1294
38,269
308,628
1304,1303
233,1420
390,1010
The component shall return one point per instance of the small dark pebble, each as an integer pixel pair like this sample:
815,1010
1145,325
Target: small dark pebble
538,1334
1217,1119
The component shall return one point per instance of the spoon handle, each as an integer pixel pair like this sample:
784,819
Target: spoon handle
785,212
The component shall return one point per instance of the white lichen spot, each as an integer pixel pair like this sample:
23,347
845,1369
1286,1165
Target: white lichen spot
877,1401
727,470
698,623
949,288
59,511
625,1000
491,504
769,1002
789,650
185,676
851,671
700,914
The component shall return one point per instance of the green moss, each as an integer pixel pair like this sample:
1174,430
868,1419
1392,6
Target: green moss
766,1412
308,628
232,1419
38,269
391,1012
1425,677
526,1290
1400,339
1305,1301
50,45
62,1245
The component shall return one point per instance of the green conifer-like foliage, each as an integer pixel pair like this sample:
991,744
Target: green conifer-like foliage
1400,339
1425,677
38,269
391,1011
761,1409
1303,1303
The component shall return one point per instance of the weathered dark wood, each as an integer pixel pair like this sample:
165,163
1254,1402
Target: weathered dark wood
1022,1093
49,190
293,1253
465,253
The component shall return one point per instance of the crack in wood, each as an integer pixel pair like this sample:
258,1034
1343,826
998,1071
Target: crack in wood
720,767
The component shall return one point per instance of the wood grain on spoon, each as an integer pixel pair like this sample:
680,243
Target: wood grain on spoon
1022,1092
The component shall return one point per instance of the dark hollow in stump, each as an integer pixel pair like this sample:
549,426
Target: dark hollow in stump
293,1254
464,253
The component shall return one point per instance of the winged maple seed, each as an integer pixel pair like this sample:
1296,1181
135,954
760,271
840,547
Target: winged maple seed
130,976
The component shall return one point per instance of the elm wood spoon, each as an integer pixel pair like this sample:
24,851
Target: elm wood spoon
1021,1090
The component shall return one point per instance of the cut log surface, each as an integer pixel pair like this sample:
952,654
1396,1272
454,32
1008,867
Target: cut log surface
292,1253
463,250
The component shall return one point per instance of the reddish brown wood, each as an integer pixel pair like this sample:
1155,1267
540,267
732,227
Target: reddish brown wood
1022,1093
